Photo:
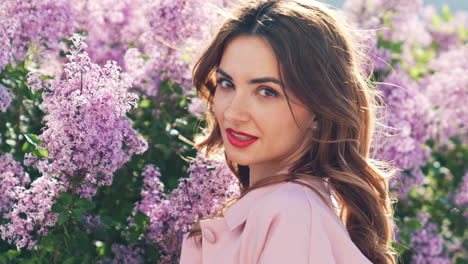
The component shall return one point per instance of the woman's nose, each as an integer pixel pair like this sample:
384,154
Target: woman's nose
238,108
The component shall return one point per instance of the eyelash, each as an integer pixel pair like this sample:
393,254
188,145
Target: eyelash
275,93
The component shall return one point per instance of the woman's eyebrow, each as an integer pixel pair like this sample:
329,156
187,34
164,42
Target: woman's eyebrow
253,81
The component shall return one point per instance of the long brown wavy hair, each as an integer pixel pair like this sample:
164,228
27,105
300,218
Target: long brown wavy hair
322,62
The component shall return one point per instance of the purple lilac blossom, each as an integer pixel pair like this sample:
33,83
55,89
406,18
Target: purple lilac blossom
31,214
408,117
131,254
369,25
8,27
5,98
461,194
92,222
447,90
42,23
379,57
209,185
111,27
152,192
396,20
50,63
445,33
87,133
427,243
197,107
11,175
177,31
399,19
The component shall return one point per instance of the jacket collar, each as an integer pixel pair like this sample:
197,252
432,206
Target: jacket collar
237,213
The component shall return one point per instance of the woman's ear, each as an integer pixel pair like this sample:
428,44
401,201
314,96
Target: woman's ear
313,122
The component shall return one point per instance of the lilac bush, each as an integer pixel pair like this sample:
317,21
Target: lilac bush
126,254
8,27
5,98
88,135
41,23
31,215
460,197
428,242
209,185
111,27
408,116
446,89
12,175
424,87
177,30
87,198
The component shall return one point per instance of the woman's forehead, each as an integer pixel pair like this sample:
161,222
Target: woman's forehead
249,56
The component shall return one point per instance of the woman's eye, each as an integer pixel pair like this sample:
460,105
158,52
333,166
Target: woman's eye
268,92
225,83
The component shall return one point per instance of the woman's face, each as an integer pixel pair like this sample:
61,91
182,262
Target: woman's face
249,99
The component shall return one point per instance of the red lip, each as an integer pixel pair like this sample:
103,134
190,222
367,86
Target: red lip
239,142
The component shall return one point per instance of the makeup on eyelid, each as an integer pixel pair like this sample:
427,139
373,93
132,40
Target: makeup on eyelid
271,90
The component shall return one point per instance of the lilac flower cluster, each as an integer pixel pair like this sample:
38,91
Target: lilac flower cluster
8,28
427,243
396,19
31,215
88,135
92,222
461,195
408,118
152,192
5,98
12,175
177,30
111,27
447,89
197,107
130,254
209,185
445,33
42,23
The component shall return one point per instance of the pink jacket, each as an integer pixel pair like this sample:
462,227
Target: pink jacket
279,223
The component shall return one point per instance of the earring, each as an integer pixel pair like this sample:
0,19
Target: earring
314,127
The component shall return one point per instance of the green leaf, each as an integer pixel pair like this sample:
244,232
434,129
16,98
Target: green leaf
63,217
69,260
27,147
85,204
77,212
446,14
145,103
144,57
413,224
178,89
48,243
133,237
57,208
436,20
65,198
141,219
108,221
33,139
41,153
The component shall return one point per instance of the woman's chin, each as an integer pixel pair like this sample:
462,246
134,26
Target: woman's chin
238,158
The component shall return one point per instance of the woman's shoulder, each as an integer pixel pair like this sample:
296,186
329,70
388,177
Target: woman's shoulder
293,201
296,195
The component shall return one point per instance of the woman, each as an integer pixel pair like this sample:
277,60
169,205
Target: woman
290,107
